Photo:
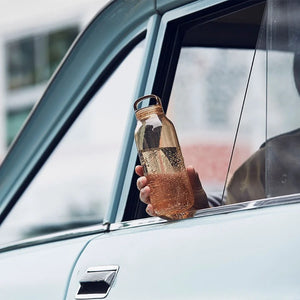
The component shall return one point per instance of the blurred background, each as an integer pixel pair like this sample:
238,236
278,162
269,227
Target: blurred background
34,37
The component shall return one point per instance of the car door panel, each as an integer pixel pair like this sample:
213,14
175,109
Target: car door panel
39,272
205,257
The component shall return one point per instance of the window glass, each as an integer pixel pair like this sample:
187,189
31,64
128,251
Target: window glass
235,103
74,187
283,99
273,170
244,175
211,84
212,100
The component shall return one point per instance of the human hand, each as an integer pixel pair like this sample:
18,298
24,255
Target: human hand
199,193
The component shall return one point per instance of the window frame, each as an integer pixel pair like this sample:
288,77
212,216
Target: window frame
162,72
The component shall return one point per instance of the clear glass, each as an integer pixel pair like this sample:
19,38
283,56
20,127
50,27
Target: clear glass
160,155
239,121
243,182
207,102
273,169
282,156
74,187
206,133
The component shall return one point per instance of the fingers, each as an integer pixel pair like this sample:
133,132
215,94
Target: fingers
144,190
199,194
141,184
145,195
139,170
150,211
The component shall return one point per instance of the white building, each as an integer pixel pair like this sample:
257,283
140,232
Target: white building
34,36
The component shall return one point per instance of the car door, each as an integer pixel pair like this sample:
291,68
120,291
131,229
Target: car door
209,66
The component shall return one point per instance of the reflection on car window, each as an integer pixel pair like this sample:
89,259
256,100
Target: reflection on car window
73,188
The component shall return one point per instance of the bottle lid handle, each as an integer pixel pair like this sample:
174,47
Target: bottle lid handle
158,101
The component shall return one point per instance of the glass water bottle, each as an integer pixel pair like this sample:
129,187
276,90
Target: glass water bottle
171,194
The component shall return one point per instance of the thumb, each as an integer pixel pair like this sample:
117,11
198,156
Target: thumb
199,193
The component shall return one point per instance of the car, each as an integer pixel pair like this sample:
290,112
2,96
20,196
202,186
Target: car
72,223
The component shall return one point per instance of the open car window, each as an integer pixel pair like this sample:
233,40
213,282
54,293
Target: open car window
235,102
230,90
272,170
208,93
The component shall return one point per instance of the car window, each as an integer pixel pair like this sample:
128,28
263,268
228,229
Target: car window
272,169
282,160
209,66
208,94
73,188
235,103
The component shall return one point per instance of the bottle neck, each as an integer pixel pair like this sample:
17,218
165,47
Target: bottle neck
146,112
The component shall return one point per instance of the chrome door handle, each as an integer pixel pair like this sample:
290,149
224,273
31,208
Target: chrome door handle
97,282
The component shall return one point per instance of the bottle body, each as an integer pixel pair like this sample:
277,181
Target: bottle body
171,194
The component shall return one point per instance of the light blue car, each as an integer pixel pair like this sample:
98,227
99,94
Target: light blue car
72,225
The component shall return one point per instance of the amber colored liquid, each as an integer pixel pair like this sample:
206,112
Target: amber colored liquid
171,194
